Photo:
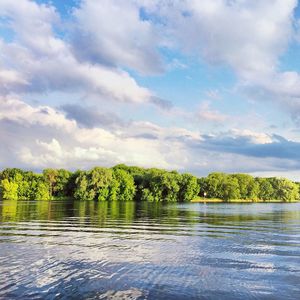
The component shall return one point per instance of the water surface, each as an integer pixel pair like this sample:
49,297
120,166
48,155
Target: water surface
112,250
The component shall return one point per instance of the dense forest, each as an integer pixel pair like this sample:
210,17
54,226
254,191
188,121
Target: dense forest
125,183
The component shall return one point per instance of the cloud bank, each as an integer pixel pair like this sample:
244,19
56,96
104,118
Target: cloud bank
94,86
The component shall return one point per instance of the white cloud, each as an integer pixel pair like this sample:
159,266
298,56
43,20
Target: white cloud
37,60
247,35
113,33
254,137
40,137
11,79
281,88
21,112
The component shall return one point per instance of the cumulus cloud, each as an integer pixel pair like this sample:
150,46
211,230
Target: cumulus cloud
252,144
11,79
21,112
39,137
249,36
113,33
282,89
91,117
121,39
38,60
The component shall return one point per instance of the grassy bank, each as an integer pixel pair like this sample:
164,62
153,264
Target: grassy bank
217,200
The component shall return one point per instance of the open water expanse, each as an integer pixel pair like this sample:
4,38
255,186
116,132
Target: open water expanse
112,250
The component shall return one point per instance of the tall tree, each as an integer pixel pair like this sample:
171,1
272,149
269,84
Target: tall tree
189,187
50,176
124,185
266,191
9,189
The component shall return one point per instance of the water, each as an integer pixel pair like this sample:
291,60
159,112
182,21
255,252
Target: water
88,250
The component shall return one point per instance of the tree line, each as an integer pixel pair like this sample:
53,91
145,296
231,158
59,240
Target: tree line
126,183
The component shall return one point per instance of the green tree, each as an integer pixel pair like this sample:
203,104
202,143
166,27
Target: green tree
50,176
94,184
9,190
100,181
61,186
214,183
20,178
41,191
82,190
160,185
169,184
123,184
203,186
230,188
12,174
266,191
189,187
286,190
249,188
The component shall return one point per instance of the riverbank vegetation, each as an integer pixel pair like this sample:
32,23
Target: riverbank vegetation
126,183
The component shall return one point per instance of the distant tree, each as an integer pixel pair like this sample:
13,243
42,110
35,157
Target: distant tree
230,188
9,190
82,189
266,191
12,174
41,190
50,176
95,184
203,186
168,182
189,187
16,176
146,195
61,187
249,188
138,174
285,189
214,183
100,181
123,185
160,185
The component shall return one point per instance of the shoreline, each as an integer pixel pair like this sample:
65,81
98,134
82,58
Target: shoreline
216,200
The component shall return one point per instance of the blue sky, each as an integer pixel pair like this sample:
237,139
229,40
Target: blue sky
197,86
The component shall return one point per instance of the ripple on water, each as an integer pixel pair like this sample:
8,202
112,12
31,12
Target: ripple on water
93,250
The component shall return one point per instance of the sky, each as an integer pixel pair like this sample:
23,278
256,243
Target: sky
187,85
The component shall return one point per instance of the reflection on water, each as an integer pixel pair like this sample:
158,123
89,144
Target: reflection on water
113,250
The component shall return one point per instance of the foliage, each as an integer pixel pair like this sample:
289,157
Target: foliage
104,184
230,188
189,187
17,184
9,189
50,176
159,185
266,191
124,188
285,189
249,188
125,183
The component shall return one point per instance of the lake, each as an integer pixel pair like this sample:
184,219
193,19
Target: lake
112,250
